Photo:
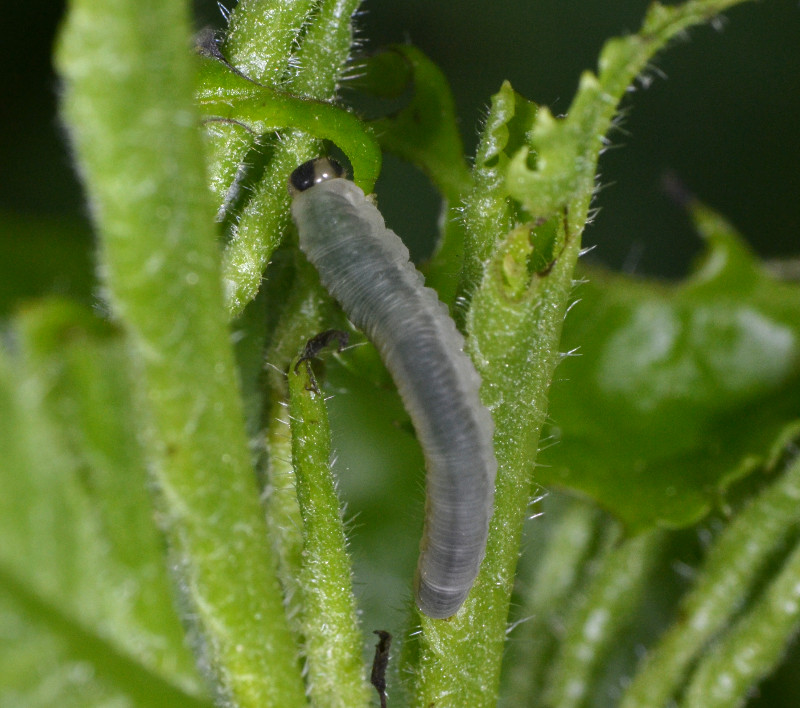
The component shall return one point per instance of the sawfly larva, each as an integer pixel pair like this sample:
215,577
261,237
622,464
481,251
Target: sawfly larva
366,268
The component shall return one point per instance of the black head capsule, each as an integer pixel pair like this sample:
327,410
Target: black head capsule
313,172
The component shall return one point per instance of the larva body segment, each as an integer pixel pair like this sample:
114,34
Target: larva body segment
366,268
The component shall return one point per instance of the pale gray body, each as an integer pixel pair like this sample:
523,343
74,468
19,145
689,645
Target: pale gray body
366,268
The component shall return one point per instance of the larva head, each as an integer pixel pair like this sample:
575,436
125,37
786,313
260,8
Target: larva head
313,172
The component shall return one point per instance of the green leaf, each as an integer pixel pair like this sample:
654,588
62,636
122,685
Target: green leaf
128,99
425,131
678,389
84,590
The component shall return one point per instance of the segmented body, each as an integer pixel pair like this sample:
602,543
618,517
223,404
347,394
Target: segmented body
366,268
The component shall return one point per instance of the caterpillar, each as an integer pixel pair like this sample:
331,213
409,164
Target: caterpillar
366,268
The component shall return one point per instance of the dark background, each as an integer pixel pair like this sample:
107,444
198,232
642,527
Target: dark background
721,113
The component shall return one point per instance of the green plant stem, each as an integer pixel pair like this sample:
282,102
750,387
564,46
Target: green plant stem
307,310
281,509
603,613
262,36
735,564
753,647
514,347
551,594
303,314
128,99
488,212
262,223
228,97
259,42
514,329
336,677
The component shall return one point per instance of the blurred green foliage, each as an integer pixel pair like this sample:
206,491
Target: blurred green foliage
679,403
